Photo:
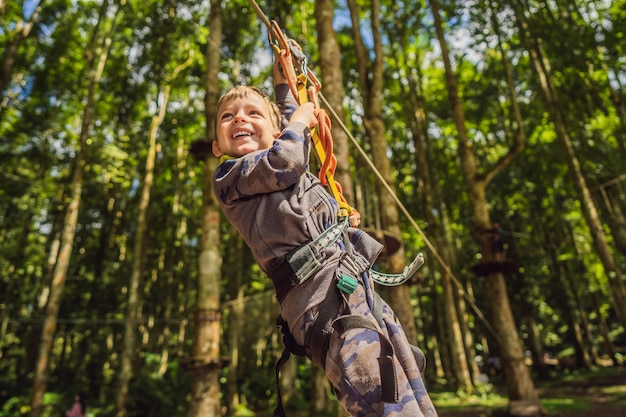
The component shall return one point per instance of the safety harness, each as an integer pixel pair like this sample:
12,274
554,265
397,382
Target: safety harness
334,315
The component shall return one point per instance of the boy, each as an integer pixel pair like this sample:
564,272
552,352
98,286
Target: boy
319,265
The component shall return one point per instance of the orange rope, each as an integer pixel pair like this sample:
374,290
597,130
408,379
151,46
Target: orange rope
323,129
328,166
289,53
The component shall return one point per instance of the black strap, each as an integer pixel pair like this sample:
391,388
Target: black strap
279,411
377,311
290,347
388,380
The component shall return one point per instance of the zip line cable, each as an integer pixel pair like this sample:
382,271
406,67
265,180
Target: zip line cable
446,269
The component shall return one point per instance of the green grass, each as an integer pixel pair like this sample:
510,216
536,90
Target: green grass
572,392
456,401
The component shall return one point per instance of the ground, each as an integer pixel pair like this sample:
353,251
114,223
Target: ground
589,396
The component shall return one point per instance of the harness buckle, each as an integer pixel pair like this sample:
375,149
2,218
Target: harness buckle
347,284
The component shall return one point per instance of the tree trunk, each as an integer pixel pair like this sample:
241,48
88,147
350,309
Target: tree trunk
519,382
237,315
205,387
134,303
615,200
541,67
609,349
572,312
172,254
237,318
332,87
134,306
371,85
96,57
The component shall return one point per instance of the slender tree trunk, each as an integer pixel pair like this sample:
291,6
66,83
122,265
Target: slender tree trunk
615,200
432,195
371,83
540,65
332,88
134,303
97,54
236,291
569,303
205,387
590,355
443,337
519,382
609,349
583,359
237,316
172,253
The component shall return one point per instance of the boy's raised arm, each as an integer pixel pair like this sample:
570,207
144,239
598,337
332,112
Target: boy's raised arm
284,98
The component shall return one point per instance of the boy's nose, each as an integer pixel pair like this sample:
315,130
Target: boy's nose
239,117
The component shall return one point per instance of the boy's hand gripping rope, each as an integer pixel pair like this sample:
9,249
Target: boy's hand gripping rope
294,66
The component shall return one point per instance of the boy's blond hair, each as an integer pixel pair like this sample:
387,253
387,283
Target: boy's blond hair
243,91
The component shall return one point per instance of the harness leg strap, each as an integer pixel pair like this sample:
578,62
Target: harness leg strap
290,347
389,389
318,337
279,411
377,311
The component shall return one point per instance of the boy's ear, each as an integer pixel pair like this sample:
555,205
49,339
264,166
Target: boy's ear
215,147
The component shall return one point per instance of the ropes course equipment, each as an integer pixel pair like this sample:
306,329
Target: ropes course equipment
294,64
305,86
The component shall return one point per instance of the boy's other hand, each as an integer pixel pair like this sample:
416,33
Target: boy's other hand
305,114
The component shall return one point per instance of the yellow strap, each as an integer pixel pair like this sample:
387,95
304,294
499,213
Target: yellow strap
320,153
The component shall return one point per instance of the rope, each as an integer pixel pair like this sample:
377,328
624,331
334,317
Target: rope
305,86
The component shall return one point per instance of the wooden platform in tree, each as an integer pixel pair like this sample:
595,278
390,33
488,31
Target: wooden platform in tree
506,266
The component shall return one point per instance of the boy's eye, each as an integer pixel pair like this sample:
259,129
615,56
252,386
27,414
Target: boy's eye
226,116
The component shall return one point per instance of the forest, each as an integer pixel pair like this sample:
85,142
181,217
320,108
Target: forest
453,122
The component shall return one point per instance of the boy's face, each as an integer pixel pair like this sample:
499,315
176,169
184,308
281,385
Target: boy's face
244,125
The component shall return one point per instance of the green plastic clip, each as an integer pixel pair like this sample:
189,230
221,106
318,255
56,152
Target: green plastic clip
347,284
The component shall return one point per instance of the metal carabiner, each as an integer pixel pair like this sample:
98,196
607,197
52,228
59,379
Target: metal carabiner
276,36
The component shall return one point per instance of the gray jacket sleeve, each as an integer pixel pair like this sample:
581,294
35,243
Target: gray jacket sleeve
286,102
